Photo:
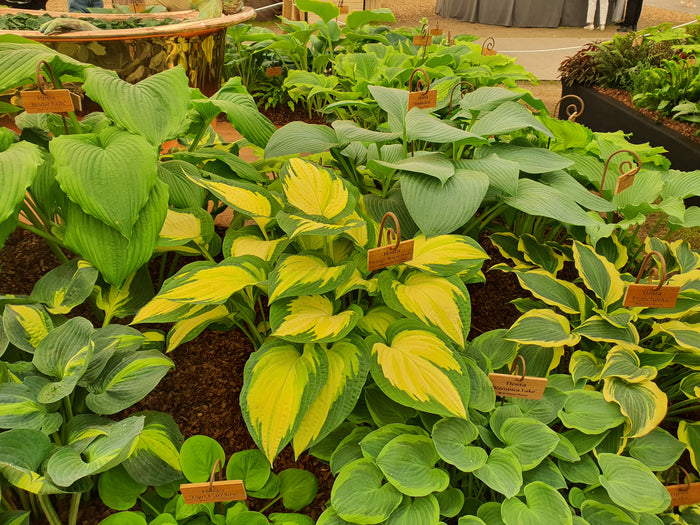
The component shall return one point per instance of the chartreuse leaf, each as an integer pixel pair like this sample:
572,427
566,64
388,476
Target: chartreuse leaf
416,510
295,225
446,255
373,443
348,366
596,513
452,438
546,472
529,440
631,485
582,471
249,241
501,472
450,501
22,451
65,287
311,319
589,412
687,335
125,300
26,325
689,433
441,302
118,490
193,323
19,407
280,382
416,368
198,457
543,328
566,296
306,274
18,164
325,10
377,320
544,505
643,403
251,467
298,488
358,494
598,274
658,449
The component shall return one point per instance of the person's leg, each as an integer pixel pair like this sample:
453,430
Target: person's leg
636,14
603,14
630,11
590,13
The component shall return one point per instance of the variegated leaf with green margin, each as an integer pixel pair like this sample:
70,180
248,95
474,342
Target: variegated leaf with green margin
589,412
631,485
529,440
127,299
585,365
249,241
543,328
193,323
296,225
408,463
568,297
184,226
624,363
377,320
446,255
643,403
540,254
65,287
495,347
315,192
596,328
658,450
441,302
502,472
68,465
166,311
363,230
22,451
356,282
311,319
687,259
26,325
598,274
155,459
127,377
63,355
620,318
19,407
507,244
690,385
544,505
686,335
689,433
348,366
306,274
280,382
452,438
417,368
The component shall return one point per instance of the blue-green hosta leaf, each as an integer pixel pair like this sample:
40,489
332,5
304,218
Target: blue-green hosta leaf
643,403
300,137
434,164
442,302
565,183
358,494
495,347
446,255
104,342
508,117
423,126
127,377
63,355
487,98
529,440
18,164
19,407
589,412
596,328
374,442
67,465
115,256
280,382
543,328
249,241
502,472
685,334
503,174
26,325
568,297
598,274
183,193
303,274
394,102
349,131
218,161
544,505
416,510
377,208
631,485
65,287
22,451
530,160
155,108
453,438
311,319
658,450
624,364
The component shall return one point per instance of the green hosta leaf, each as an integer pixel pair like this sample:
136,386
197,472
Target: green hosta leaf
15,517
373,443
506,118
420,125
546,472
298,488
348,450
501,472
127,378
417,368
585,365
65,287
67,465
542,255
251,467
487,98
298,137
544,505
306,274
18,164
125,301
566,296
589,412
325,10
434,164
249,241
624,364
280,381
482,396
195,321
377,207
446,255
495,347
530,160
26,325
503,174
596,513
528,440
419,510
359,495
19,407
599,275
690,385
182,192
689,433
543,328
582,471
349,131
155,108
198,457
348,367
597,328
356,19
658,449
643,403
22,451
685,334
63,355
452,438
442,302
631,485
450,502
118,490
310,319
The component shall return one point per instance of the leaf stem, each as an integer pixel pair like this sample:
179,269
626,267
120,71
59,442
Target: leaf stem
49,511
271,503
52,241
74,508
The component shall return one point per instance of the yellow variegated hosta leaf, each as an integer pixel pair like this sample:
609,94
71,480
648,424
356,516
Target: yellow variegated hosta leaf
643,404
543,328
596,328
356,282
248,241
624,363
360,232
193,325
446,254
279,384
507,243
306,275
310,319
689,433
688,260
295,225
585,365
377,321
540,254
183,226
26,325
347,372
442,302
417,368
566,296
690,385
598,274
686,335
165,311
314,191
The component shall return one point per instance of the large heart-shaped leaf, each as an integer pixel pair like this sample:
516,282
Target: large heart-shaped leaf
506,118
544,505
658,450
19,407
65,287
26,325
528,440
297,137
452,438
311,319
643,403
599,275
18,164
22,451
632,485
589,412
501,472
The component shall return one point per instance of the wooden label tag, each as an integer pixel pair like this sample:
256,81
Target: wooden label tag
488,52
208,492
51,101
436,31
422,100
624,181
422,40
273,71
684,494
648,295
378,258
509,385
344,10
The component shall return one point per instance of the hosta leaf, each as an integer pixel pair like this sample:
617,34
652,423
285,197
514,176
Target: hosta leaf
423,126
631,485
508,117
544,504
183,226
280,381
248,241
118,490
298,488
377,207
643,403
487,98
530,160
599,275
446,255
689,433
348,367
125,300
294,225
194,324
26,325
310,319
297,137
22,452
182,192
65,287
658,449
417,368
546,472
597,328
377,320
596,513
416,510
251,467
104,342
305,274
348,450
589,412
501,472
503,174
624,363
374,442
19,407
219,161
357,19
495,347
585,365
528,440
565,183
542,255
543,328
568,297
155,108
442,302
686,335
582,471
18,164
198,457
452,438
349,131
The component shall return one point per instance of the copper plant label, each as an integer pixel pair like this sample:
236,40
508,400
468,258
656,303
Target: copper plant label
624,181
344,10
488,52
209,492
422,100
436,31
684,494
648,295
509,385
378,258
422,40
51,101
273,71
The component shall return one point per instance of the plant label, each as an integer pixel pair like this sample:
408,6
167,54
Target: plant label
509,385
51,101
488,52
378,258
209,492
436,31
422,40
344,10
647,295
422,99
624,181
685,494
273,71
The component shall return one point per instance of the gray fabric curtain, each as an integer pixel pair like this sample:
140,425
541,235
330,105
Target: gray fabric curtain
537,13
465,10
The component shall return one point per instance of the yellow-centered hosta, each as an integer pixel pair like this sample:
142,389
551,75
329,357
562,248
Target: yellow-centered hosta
377,320
181,226
313,191
163,310
32,321
254,245
295,225
309,318
445,254
303,274
193,325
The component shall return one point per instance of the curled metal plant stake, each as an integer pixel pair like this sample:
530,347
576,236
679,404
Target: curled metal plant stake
626,167
653,272
572,110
